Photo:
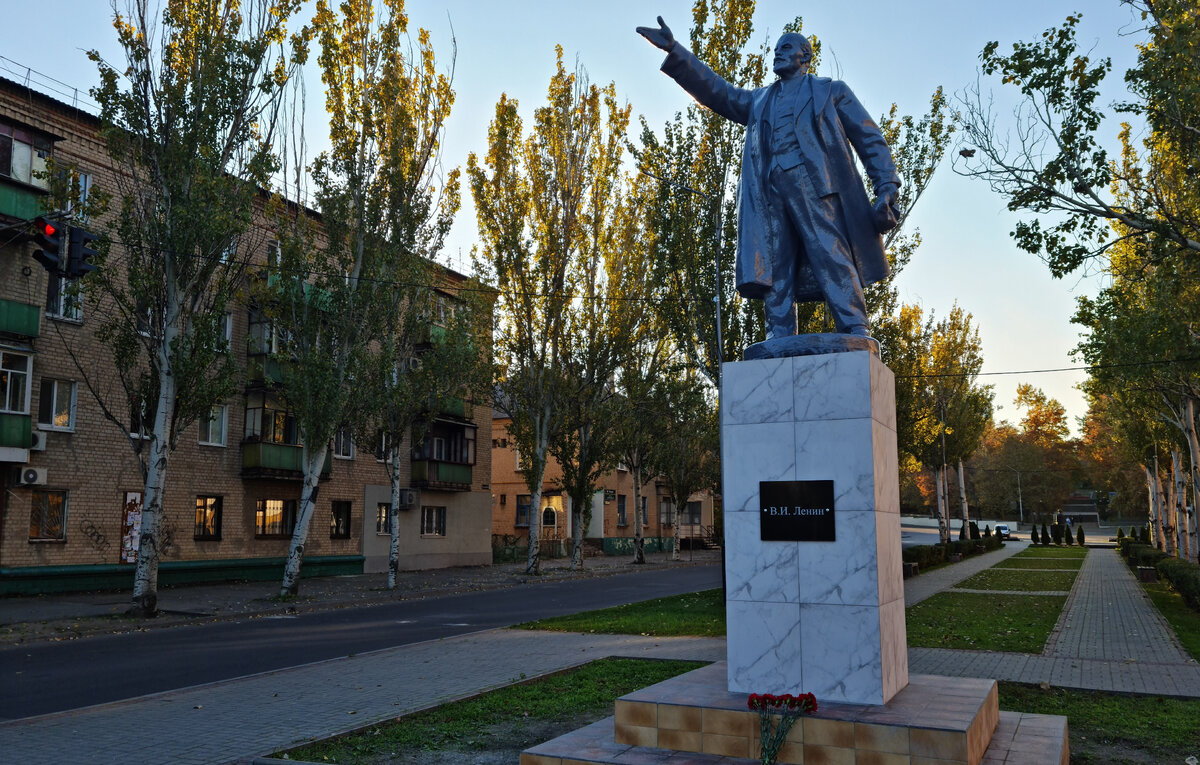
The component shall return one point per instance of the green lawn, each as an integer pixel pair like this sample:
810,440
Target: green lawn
700,613
511,718
1061,564
1050,551
1184,620
1018,623
1019,581
1116,729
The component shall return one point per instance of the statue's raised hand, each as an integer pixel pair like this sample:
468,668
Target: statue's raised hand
661,37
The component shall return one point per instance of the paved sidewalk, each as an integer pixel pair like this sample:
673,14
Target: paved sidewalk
926,585
65,616
1109,638
255,716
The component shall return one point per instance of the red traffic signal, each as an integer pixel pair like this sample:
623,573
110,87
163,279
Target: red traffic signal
47,235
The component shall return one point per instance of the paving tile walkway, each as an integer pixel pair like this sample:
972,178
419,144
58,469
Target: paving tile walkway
255,716
1109,637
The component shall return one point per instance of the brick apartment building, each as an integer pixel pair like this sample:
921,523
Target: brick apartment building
611,527
71,485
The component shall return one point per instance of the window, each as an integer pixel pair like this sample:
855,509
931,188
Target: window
666,511
339,519
692,513
433,521
267,419
385,449
343,444
516,457
23,155
447,442
212,427
383,518
48,515
621,510
549,517
63,299
208,518
523,502
14,382
82,186
56,405
645,518
138,416
261,337
275,517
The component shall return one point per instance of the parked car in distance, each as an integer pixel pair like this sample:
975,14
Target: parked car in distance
1002,531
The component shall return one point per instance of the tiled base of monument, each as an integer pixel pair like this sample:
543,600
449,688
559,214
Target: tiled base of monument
694,719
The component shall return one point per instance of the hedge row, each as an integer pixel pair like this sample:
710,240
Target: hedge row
1182,575
926,556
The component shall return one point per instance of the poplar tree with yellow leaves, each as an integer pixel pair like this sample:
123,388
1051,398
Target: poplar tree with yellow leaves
545,202
188,119
352,305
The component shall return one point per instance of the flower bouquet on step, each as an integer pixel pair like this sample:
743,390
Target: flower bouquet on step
776,716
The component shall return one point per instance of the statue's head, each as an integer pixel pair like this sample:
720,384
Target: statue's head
793,54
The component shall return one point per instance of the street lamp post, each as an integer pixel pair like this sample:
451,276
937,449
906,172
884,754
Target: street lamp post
1020,502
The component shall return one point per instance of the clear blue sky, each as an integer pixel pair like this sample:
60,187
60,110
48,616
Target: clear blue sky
886,51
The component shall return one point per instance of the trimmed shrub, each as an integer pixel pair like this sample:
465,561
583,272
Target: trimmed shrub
1035,537
1184,578
975,531
1120,536
987,530
1079,536
962,531
1146,534
1045,535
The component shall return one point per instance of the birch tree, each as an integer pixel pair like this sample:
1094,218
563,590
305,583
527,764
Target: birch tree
532,194
188,120
355,290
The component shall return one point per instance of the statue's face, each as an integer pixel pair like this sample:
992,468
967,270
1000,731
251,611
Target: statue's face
792,55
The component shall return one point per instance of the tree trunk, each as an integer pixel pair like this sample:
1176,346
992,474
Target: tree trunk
1159,506
1178,498
962,496
542,436
314,461
577,506
675,533
1151,488
639,542
145,577
1189,429
393,517
943,523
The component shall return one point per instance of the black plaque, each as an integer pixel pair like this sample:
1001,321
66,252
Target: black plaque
796,511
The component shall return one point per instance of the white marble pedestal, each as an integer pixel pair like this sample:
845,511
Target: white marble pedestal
819,617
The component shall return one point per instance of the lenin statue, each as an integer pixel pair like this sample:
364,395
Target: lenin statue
806,229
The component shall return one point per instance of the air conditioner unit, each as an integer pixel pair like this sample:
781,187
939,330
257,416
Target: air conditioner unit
38,442
32,476
408,498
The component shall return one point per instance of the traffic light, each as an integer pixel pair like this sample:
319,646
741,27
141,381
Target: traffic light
79,251
48,235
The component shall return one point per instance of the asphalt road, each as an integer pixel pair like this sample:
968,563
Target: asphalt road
918,535
53,677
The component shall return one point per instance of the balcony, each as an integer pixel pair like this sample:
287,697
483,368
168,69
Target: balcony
16,430
267,460
448,476
455,407
20,201
263,368
20,318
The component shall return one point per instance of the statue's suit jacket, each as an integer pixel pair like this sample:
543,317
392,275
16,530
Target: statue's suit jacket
840,122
